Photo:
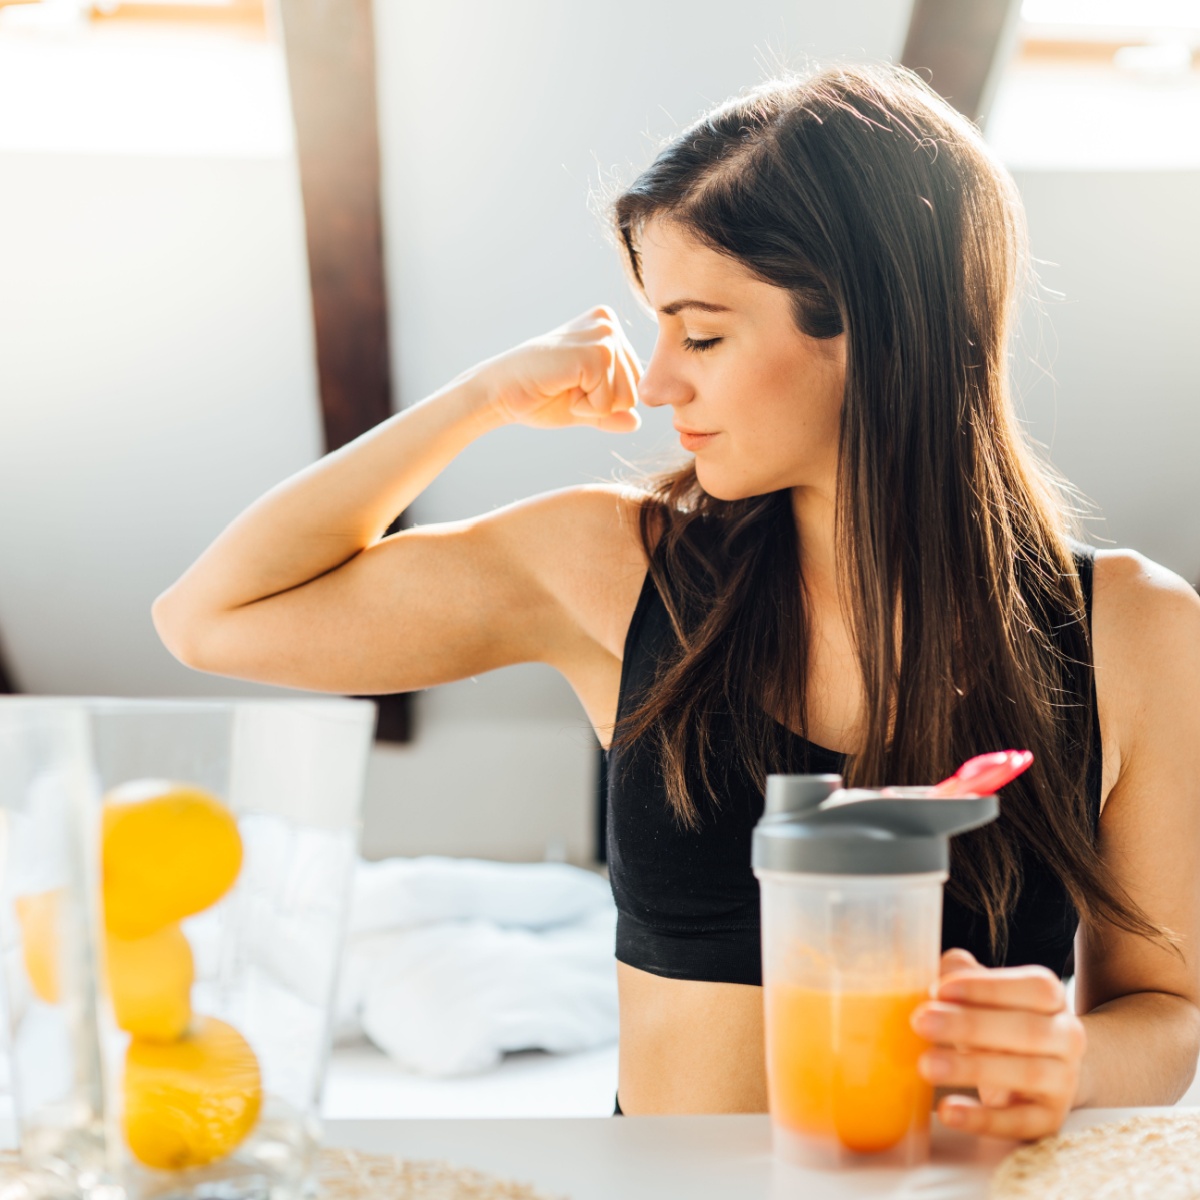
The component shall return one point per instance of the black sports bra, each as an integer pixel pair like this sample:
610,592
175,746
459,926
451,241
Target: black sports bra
687,901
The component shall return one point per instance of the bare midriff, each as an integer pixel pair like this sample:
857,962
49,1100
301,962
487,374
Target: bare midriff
690,1047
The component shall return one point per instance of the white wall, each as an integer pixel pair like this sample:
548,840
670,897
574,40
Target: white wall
1108,163
156,353
1118,403
497,122
155,376
156,357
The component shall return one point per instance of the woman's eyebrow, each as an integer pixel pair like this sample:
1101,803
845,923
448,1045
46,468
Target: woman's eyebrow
677,306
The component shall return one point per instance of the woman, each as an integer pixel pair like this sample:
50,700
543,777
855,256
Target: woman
862,569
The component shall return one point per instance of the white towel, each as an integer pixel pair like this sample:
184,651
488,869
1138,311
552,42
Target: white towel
399,893
451,963
454,998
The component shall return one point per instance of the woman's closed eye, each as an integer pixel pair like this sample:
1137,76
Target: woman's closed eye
699,345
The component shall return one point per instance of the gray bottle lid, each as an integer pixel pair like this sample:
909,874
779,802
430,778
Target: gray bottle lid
812,825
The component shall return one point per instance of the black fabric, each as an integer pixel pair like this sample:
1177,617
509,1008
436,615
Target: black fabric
687,901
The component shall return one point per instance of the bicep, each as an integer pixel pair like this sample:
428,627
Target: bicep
423,607
1148,659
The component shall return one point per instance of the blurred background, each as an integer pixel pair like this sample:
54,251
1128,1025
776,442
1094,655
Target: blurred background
215,215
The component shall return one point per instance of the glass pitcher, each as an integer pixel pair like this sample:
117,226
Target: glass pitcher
173,908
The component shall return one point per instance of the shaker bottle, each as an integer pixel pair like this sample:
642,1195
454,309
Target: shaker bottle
851,884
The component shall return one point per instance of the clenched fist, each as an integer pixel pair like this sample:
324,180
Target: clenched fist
582,373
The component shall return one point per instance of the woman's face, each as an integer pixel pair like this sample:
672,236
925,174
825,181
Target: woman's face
732,365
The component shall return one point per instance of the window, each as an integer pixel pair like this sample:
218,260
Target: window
226,12
248,13
1101,85
1142,36
157,77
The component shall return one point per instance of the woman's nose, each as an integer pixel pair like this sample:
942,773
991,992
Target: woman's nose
659,385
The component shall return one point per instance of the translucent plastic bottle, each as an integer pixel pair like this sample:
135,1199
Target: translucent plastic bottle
852,904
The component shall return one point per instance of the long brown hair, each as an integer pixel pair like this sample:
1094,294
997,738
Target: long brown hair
883,213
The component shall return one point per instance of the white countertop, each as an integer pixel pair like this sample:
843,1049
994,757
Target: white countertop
697,1158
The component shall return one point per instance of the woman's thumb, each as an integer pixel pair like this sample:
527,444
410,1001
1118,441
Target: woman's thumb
957,959
627,421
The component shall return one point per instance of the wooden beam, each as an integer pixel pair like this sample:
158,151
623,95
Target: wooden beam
330,48
957,44
331,68
8,686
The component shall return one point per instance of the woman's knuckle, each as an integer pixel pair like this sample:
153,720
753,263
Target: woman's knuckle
963,1025
1052,988
1031,1122
1042,1035
1035,1032
967,1067
1042,1075
1075,1036
972,1119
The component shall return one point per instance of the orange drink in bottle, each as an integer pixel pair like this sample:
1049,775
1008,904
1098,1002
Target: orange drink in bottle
843,1066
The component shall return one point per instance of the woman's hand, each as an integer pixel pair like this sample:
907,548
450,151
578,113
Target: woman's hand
1006,1031
582,373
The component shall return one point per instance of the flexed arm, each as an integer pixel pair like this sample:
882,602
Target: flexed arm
303,590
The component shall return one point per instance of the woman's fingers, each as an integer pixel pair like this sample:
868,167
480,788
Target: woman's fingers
603,409
625,371
625,397
608,382
586,322
1024,1120
1031,987
630,355
952,962
997,1074
585,372
995,1097
1009,1030
622,394
957,959
620,422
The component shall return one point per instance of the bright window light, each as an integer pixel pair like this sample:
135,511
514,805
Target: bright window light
1101,85
1101,18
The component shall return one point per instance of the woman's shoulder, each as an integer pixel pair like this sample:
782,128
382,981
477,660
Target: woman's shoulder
1146,643
583,545
1143,598
627,518
582,519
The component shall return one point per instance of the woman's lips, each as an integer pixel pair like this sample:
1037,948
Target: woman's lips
694,441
